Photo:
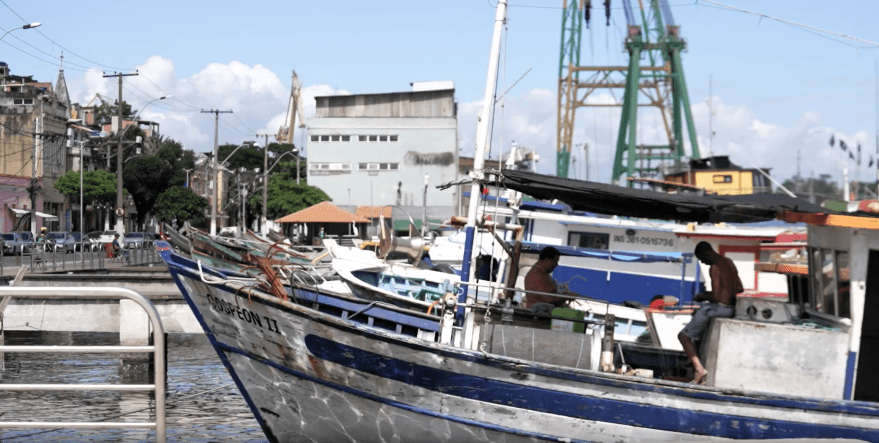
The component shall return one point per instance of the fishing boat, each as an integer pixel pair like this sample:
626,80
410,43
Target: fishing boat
313,369
316,366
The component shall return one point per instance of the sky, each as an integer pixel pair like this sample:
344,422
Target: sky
778,91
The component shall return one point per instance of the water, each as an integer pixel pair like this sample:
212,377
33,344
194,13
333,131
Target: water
202,402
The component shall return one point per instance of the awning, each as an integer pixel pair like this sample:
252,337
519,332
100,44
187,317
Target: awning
21,212
616,200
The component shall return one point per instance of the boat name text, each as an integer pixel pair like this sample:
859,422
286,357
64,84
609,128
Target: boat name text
250,317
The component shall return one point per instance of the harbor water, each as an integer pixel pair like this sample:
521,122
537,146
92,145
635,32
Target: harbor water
202,403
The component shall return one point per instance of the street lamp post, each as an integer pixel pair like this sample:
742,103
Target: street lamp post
81,205
120,205
265,183
27,26
215,169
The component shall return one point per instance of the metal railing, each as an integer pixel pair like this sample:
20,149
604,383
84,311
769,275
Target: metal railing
158,350
85,255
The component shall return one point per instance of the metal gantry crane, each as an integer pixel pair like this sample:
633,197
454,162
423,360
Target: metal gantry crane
654,72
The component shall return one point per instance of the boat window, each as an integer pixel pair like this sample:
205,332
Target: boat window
315,138
335,138
346,138
842,278
830,282
593,240
361,138
325,138
722,179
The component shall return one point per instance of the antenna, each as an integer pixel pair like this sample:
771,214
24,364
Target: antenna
710,118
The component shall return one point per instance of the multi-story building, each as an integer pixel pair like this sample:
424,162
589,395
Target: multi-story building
33,148
387,149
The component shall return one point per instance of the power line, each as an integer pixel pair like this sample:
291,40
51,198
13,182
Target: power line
788,22
62,46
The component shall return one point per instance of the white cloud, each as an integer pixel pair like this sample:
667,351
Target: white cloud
258,98
530,120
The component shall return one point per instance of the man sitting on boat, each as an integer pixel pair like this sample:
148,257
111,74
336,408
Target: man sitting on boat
725,285
539,279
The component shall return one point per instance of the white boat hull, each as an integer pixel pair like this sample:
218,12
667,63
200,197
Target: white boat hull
311,376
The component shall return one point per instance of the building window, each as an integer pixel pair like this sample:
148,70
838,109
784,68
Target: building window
23,101
346,138
330,168
378,166
315,138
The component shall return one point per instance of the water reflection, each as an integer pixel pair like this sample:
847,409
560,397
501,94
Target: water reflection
202,403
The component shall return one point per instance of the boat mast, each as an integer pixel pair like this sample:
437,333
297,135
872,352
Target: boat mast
477,174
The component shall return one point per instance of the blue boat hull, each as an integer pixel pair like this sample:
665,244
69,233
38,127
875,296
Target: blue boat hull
318,371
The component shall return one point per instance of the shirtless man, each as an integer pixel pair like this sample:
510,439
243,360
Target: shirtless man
725,285
539,279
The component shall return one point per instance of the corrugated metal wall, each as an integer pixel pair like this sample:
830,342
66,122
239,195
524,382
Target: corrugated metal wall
398,104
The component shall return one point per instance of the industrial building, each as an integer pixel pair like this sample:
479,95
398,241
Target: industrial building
387,149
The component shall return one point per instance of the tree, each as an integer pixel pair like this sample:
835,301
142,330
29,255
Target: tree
98,186
105,112
179,204
248,157
148,176
284,197
822,188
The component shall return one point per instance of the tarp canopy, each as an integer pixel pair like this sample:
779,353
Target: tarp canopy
323,212
616,200
21,212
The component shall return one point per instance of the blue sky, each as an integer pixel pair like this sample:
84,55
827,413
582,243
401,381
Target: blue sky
777,89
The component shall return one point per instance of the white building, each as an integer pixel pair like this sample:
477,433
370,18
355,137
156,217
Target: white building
376,149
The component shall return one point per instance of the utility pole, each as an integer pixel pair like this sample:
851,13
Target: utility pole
264,228
214,168
120,206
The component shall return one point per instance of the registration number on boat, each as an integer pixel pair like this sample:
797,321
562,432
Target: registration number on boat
643,240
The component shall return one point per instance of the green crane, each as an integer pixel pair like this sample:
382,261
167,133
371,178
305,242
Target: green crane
654,72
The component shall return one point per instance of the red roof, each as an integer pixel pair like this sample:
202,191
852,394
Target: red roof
374,211
323,212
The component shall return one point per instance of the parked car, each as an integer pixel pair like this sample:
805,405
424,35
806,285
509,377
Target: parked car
95,238
107,236
78,242
14,243
28,238
64,241
134,240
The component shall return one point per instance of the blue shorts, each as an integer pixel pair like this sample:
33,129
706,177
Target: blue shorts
701,318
